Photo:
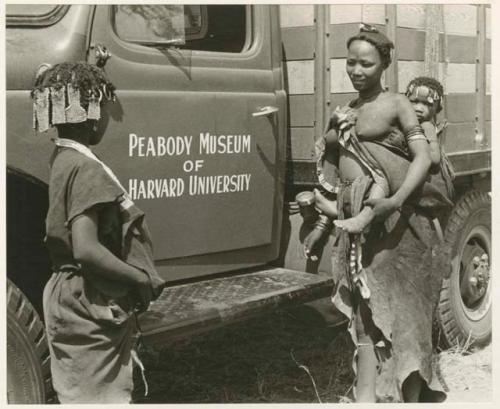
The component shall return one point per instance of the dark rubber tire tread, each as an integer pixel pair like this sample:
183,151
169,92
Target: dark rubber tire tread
454,326
28,358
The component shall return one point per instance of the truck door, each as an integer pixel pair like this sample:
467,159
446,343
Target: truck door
194,135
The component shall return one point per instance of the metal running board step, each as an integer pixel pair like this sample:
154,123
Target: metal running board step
192,308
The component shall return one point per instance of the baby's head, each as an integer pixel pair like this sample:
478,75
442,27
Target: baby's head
426,96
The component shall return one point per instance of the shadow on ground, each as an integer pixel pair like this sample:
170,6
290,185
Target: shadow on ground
256,361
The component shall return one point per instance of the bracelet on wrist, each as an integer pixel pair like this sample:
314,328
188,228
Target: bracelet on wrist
323,222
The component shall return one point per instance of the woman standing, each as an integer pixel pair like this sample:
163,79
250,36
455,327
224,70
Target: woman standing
389,277
103,270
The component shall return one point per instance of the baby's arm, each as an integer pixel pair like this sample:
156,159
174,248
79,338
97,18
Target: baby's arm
315,238
430,133
324,205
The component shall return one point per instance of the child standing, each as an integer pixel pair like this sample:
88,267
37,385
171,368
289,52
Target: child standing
99,244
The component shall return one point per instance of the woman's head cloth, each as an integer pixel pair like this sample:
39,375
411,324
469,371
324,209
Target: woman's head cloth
379,40
69,93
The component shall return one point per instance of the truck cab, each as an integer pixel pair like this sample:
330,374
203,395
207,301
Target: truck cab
196,134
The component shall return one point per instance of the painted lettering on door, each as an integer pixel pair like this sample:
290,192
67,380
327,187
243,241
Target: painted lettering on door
192,183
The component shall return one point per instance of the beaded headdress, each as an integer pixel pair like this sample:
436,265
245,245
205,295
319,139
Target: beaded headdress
69,93
423,93
426,89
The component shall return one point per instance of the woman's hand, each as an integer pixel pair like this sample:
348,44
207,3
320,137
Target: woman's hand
312,243
382,208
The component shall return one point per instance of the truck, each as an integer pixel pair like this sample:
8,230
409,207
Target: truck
212,134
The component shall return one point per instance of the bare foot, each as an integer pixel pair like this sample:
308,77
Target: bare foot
358,223
328,207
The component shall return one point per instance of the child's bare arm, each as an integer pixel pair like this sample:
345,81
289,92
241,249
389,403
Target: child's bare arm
97,259
430,134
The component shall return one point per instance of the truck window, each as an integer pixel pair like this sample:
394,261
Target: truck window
218,28
34,14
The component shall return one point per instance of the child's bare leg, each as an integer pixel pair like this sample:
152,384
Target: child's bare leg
359,222
327,207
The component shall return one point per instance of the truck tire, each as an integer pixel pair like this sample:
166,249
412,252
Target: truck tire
464,310
28,359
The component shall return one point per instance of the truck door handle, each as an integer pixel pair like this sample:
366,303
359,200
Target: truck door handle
267,110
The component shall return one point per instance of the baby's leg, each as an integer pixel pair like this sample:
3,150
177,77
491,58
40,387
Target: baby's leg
327,207
358,223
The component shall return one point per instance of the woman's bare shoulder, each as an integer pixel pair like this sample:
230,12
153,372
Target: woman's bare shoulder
403,107
394,102
396,98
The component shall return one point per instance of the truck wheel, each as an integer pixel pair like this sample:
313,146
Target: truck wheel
28,360
464,311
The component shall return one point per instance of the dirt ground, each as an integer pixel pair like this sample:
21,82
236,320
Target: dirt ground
285,357
468,375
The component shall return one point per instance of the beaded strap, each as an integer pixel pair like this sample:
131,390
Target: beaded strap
320,148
